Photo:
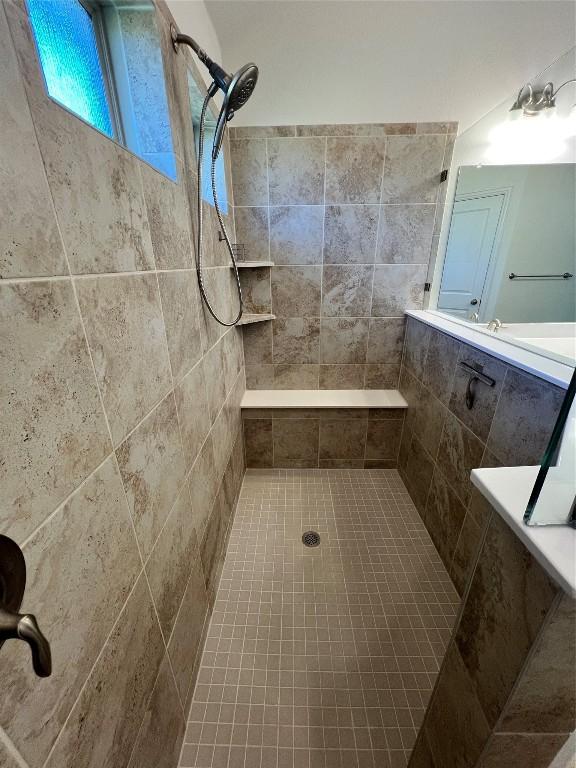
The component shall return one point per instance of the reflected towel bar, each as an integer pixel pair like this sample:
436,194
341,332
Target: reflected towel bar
563,276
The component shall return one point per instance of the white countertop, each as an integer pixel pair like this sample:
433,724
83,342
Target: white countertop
323,398
554,546
538,365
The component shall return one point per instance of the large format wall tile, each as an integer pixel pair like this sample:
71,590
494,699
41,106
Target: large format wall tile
381,375
258,442
169,219
385,340
346,290
295,439
354,169
258,343
526,413
397,287
252,232
296,291
526,750
53,431
296,171
416,346
162,729
76,604
153,470
417,474
465,552
261,131
460,451
511,588
295,376
544,700
30,245
97,191
405,234
343,340
296,340
350,234
212,546
444,516
193,412
249,171
332,444
412,169
168,568
203,485
125,329
7,757
455,711
214,375
184,645
383,439
104,722
438,373
341,376
296,234
179,294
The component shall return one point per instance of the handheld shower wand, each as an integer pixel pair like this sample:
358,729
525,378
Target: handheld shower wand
236,89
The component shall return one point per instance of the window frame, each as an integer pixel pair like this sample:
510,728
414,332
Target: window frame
95,12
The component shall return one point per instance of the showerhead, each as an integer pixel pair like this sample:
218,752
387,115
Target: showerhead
241,86
236,88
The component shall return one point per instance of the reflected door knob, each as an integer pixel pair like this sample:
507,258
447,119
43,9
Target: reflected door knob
19,626
474,302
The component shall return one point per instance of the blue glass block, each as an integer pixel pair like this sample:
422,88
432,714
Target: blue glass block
220,174
68,50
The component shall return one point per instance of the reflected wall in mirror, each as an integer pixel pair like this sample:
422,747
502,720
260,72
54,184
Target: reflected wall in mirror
511,245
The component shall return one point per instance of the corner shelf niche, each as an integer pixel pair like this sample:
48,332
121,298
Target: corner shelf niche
248,319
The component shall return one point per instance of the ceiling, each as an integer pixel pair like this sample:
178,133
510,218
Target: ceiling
327,61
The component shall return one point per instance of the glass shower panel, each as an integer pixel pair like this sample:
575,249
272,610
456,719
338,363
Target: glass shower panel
553,498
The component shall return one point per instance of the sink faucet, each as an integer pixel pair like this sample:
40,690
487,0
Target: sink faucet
493,325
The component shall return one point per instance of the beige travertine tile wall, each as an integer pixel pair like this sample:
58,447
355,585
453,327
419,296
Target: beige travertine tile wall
333,438
505,695
508,425
348,214
120,428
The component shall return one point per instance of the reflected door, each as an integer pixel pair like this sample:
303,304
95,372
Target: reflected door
470,248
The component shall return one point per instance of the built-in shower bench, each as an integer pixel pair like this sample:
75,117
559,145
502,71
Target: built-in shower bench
323,428
323,398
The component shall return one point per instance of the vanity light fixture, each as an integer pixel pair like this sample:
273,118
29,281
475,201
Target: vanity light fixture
532,101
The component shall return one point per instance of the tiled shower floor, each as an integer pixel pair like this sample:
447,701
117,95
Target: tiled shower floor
326,657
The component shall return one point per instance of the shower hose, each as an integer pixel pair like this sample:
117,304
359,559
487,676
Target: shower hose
199,265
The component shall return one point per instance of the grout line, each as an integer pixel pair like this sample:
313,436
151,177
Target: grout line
11,749
323,263
269,259
407,204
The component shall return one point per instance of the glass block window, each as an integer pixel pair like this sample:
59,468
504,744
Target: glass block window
71,60
196,100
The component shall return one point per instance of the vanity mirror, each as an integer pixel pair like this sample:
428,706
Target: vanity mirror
510,255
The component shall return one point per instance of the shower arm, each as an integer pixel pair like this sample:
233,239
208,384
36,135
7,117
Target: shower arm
221,78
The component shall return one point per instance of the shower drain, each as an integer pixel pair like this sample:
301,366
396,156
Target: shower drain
311,539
